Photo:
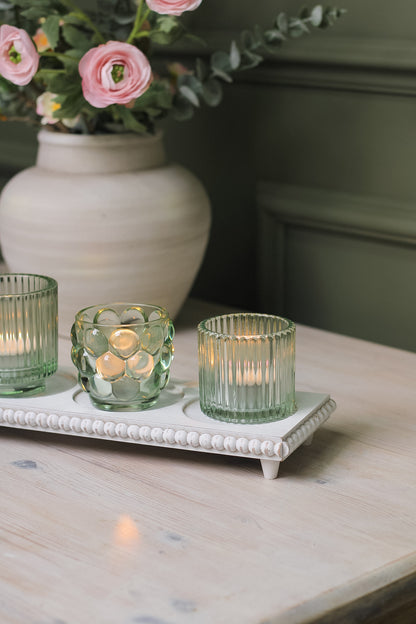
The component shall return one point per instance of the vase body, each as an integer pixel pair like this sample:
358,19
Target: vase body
109,219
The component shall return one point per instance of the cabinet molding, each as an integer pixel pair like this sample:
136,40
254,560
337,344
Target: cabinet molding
385,65
376,217
338,261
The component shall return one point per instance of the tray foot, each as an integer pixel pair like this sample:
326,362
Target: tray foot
270,468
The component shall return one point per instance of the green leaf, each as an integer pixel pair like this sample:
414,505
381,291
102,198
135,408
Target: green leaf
167,29
212,92
317,16
71,105
35,10
189,95
250,59
76,38
222,75
190,81
273,36
201,70
156,97
221,60
282,23
51,29
65,84
247,39
258,36
297,27
235,56
129,120
183,109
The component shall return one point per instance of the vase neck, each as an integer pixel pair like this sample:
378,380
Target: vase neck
112,153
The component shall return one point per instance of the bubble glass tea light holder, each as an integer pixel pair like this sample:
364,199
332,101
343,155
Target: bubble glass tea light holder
28,333
247,367
123,353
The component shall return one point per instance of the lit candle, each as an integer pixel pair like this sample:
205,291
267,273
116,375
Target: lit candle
247,367
28,332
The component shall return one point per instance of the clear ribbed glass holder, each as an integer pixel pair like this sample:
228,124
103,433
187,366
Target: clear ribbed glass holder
28,332
247,367
123,353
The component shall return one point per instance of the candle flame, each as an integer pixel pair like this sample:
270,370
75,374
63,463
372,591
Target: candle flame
11,345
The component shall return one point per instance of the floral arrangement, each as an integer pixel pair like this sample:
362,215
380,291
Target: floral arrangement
75,70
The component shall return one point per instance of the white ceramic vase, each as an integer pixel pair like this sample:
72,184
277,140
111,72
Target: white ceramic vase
109,219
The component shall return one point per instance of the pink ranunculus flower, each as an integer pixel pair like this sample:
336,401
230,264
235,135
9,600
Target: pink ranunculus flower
114,73
173,7
19,60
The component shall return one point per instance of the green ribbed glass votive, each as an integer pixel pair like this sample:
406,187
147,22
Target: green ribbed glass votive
123,353
247,367
28,332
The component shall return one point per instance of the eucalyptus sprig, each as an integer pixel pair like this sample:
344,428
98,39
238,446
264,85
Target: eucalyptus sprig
253,46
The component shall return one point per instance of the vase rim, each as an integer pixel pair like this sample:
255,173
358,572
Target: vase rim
63,138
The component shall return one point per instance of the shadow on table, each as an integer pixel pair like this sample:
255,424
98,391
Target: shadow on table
316,460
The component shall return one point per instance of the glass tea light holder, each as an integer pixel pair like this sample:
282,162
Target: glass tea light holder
28,332
123,354
247,367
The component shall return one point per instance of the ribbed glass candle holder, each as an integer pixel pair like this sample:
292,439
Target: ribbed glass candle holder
247,367
28,332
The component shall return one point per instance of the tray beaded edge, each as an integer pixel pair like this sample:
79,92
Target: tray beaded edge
169,437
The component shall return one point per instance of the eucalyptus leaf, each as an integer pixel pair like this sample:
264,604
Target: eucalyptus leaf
221,74
247,39
182,109
190,81
212,92
273,36
296,25
201,69
250,59
317,16
221,61
258,36
282,23
235,56
189,95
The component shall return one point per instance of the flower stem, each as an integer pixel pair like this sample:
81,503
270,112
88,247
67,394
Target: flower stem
138,22
58,55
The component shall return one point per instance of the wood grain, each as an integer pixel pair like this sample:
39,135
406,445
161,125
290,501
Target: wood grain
93,531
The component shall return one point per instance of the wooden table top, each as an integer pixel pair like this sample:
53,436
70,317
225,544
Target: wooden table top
107,532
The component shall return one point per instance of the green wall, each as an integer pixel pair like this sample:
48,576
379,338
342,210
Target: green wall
330,122
332,118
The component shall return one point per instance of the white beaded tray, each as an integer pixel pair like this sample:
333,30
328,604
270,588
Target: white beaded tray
176,421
